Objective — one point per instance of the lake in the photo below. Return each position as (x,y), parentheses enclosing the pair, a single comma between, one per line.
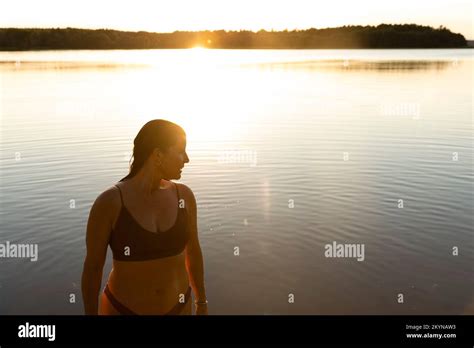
(290,152)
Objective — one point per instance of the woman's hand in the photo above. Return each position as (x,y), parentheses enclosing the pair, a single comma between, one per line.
(201,309)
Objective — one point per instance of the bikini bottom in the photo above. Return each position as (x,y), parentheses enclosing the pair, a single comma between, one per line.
(176,310)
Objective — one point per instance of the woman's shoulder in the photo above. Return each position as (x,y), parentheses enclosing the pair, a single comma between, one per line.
(186,193)
(109,200)
(186,190)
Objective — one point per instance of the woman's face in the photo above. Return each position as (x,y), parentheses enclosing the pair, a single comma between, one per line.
(174,159)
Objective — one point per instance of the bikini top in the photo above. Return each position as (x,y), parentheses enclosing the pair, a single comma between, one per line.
(129,241)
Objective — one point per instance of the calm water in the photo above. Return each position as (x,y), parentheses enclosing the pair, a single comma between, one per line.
(290,151)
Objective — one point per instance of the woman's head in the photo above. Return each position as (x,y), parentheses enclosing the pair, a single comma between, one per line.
(161,145)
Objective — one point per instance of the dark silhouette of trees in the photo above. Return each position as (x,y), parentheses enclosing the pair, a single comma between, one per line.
(381,36)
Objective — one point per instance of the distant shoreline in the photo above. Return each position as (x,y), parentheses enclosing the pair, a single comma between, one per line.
(383,36)
(216,49)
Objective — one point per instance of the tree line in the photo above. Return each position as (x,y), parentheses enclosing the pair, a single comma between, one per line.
(381,36)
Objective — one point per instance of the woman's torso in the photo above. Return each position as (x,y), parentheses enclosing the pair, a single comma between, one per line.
(149,272)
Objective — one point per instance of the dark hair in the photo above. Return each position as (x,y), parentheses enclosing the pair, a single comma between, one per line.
(154,134)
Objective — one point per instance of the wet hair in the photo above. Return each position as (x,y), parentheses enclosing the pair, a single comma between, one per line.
(161,134)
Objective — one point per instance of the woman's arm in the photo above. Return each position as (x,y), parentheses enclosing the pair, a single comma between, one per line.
(99,227)
(194,259)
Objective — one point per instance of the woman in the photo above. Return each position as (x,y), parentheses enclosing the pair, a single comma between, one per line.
(150,224)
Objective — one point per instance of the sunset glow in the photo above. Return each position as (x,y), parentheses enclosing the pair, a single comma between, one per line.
(160,16)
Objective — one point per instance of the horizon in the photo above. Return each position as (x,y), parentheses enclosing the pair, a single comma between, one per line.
(226,30)
(210,15)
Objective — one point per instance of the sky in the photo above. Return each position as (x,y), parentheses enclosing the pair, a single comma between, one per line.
(171,15)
